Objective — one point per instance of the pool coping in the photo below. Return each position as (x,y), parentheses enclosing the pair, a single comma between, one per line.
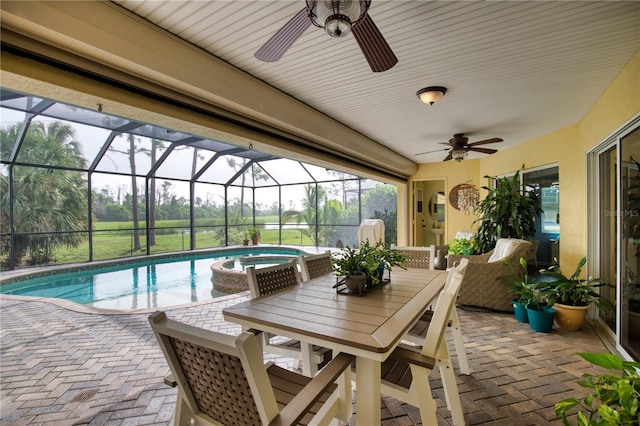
(83,309)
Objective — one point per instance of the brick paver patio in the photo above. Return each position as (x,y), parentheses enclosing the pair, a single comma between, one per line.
(64,367)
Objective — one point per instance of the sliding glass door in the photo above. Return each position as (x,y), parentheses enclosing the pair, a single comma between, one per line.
(630,242)
(614,233)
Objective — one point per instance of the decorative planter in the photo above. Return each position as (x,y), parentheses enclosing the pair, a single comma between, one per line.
(355,283)
(520,311)
(379,275)
(541,321)
(570,317)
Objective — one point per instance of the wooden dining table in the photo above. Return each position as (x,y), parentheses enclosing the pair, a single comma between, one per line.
(368,326)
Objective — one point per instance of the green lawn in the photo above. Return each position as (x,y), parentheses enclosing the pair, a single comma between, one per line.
(115,239)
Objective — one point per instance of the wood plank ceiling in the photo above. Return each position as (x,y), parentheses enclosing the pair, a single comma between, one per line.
(513,69)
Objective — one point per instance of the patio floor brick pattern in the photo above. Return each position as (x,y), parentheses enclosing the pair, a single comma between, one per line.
(62,367)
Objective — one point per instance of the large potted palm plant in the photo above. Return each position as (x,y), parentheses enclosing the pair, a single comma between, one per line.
(506,212)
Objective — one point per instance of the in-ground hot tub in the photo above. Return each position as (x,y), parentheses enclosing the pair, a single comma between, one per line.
(229,275)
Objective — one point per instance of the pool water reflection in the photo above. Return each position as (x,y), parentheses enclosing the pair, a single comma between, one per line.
(134,286)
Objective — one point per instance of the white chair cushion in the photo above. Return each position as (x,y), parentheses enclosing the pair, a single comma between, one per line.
(502,250)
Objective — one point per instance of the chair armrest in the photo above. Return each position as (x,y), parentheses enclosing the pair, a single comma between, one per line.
(454,259)
(413,356)
(309,395)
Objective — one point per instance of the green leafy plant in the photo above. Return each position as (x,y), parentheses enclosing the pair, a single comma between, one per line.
(348,262)
(463,246)
(575,291)
(506,212)
(530,293)
(368,259)
(614,400)
(254,233)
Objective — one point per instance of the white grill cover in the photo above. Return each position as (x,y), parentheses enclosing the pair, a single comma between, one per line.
(372,230)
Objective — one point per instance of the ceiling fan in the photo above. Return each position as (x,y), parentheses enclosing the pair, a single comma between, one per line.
(338,18)
(460,147)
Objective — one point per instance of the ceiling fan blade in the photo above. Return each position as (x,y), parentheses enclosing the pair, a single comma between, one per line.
(282,40)
(486,141)
(374,47)
(429,152)
(448,157)
(484,150)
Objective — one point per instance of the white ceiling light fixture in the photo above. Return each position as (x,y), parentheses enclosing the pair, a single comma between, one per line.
(337,17)
(432,94)
(459,154)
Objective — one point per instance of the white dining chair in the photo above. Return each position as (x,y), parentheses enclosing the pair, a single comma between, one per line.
(222,380)
(418,332)
(315,265)
(273,279)
(405,373)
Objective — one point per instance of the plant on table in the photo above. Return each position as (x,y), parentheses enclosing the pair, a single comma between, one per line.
(368,260)
(614,397)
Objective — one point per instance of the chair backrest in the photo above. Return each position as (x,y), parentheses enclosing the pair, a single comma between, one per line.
(272,279)
(315,265)
(442,312)
(418,257)
(222,377)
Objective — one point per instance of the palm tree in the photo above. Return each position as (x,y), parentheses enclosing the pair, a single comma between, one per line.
(326,211)
(50,201)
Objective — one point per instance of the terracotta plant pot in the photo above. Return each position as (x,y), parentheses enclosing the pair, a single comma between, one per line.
(570,317)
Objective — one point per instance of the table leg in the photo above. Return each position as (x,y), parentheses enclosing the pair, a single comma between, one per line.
(367,392)
(309,367)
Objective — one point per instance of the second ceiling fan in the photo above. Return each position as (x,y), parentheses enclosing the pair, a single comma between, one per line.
(338,18)
(460,147)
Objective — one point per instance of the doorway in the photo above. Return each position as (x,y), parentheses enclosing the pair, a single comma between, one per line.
(545,183)
(429,212)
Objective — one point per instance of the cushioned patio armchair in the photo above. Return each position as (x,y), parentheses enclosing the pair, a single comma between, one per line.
(483,285)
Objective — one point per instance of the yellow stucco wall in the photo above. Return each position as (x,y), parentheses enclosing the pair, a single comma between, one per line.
(567,147)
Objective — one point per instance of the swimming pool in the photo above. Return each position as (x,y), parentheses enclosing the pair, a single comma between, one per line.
(161,282)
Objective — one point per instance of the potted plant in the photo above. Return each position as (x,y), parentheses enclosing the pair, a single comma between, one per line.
(464,246)
(349,264)
(533,303)
(366,264)
(506,212)
(245,241)
(540,309)
(573,296)
(254,234)
(614,397)
(523,288)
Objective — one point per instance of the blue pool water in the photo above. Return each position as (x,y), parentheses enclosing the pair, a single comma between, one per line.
(148,284)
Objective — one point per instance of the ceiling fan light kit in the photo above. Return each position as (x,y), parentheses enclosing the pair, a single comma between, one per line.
(459,154)
(338,18)
(432,94)
(460,147)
